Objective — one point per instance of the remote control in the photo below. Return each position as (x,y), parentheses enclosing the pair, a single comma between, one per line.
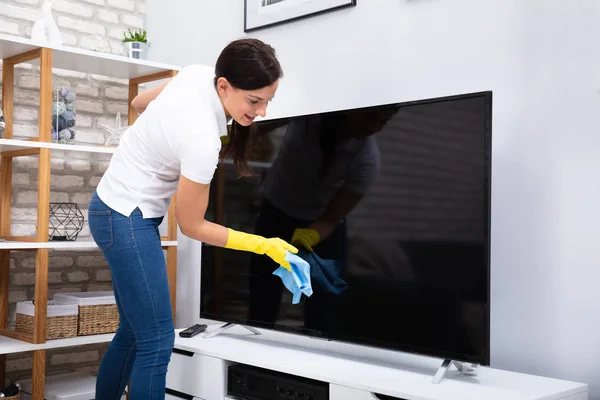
(192,330)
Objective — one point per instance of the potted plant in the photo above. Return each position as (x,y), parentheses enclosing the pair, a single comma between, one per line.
(135,43)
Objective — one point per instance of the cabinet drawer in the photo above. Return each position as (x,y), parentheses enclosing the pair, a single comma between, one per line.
(337,392)
(196,375)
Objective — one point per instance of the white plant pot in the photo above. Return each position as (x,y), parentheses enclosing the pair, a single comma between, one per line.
(136,50)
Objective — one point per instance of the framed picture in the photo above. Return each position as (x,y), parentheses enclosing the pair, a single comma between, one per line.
(259,14)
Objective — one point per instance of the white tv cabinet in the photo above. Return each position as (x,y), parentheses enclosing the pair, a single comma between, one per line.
(198,370)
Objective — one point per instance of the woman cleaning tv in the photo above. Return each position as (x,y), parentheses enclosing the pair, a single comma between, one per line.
(173,148)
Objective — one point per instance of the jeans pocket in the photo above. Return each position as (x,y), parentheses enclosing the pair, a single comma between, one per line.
(101,228)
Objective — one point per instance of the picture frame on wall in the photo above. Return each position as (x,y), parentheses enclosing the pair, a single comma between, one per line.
(260,14)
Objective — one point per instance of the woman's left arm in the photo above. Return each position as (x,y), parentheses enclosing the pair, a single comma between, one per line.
(141,101)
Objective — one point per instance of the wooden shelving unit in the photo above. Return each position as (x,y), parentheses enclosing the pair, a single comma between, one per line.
(17,50)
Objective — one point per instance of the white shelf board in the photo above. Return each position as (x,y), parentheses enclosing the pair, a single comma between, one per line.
(81,60)
(12,245)
(15,144)
(9,346)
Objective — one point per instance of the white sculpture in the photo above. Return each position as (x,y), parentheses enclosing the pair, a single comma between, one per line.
(45,29)
(116,132)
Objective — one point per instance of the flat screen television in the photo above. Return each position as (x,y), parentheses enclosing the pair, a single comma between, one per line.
(404,259)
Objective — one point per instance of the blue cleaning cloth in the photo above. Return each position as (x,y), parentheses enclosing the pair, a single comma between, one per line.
(324,273)
(307,267)
(297,281)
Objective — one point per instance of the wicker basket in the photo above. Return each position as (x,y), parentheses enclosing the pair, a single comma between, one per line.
(61,319)
(12,388)
(98,312)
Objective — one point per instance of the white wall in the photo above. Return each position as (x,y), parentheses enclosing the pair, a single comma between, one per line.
(542,60)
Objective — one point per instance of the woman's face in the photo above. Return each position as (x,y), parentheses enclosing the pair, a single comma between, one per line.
(244,105)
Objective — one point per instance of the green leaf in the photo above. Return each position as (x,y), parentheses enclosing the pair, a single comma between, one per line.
(135,36)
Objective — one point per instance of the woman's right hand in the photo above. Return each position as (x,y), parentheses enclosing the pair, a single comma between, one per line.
(275,248)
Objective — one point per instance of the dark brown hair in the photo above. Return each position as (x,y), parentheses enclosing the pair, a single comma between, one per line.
(248,64)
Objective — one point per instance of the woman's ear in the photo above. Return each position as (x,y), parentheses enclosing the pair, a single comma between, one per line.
(222,86)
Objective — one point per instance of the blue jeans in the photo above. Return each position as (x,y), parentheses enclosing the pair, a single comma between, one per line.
(141,349)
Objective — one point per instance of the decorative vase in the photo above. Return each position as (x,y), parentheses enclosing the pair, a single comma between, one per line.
(45,29)
(137,50)
(63,115)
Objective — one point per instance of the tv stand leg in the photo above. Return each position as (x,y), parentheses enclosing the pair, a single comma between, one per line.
(229,325)
(253,330)
(464,368)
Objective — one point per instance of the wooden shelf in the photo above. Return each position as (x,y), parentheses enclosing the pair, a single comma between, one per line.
(13,51)
(87,61)
(9,346)
(16,145)
(13,245)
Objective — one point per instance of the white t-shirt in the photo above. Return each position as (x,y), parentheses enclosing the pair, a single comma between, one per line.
(178,133)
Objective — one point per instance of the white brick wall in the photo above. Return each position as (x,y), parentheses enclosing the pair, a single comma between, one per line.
(84,24)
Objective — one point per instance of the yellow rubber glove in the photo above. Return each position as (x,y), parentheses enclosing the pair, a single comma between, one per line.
(307,238)
(272,247)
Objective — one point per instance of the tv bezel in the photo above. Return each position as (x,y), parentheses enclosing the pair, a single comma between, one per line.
(484,359)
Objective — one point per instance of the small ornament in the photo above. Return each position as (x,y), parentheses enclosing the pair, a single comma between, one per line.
(66,221)
(116,132)
(45,29)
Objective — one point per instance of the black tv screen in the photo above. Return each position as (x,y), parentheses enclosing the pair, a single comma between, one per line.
(404,261)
